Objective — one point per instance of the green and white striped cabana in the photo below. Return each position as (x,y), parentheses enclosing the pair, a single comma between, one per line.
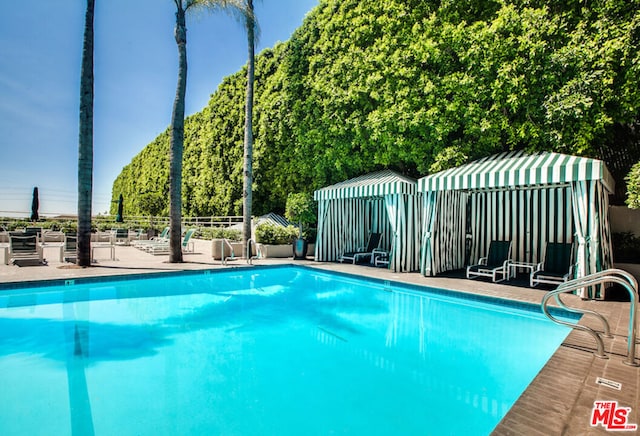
(382,202)
(530,199)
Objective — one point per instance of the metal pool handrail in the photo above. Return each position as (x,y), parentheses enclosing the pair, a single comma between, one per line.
(249,256)
(224,258)
(608,276)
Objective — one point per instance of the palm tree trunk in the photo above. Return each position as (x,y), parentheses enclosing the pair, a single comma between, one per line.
(85,146)
(177,141)
(247,192)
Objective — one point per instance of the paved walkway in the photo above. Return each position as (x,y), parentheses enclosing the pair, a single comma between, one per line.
(560,399)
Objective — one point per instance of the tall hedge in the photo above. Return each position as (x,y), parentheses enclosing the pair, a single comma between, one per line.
(413,85)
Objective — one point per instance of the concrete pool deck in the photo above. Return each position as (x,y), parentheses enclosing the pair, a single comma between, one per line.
(560,399)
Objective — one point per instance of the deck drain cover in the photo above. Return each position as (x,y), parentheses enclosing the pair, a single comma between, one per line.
(609,383)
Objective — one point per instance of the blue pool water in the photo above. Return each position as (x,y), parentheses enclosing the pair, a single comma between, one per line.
(264,351)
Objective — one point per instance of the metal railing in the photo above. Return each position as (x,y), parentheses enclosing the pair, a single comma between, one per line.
(608,276)
(250,257)
(131,221)
(224,258)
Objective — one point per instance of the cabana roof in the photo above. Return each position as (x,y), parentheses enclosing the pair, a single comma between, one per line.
(376,184)
(518,169)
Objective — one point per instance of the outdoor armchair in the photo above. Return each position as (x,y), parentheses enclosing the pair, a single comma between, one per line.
(120,236)
(24,247)
(70,247)
(495,264)
(557,266)
(53,238)
(363,253)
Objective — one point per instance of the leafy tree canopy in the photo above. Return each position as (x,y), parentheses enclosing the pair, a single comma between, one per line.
(412,85)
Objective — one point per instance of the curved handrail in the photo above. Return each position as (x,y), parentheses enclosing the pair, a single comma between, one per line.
(249,256)
(600,345)
(607,276)
(605,324)
(630,278)
(224,258)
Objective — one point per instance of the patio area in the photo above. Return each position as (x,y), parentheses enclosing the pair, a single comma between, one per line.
(558,401)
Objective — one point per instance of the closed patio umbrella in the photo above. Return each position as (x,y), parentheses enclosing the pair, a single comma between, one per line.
(35,204)
(119,218)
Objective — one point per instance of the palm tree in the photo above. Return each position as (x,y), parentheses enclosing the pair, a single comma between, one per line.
(85,146)
(247,193)
(177,120)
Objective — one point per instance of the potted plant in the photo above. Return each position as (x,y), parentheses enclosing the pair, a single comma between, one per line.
(275,240)
(300,209)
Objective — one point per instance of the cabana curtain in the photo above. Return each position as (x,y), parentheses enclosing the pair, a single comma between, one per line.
(383,202)
(528,199)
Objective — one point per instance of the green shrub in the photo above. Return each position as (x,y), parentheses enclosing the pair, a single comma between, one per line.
(272,234)
(633,187)
(209,233)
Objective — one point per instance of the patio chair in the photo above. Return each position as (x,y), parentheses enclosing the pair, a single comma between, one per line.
(103,240)
(33,231)
(143,244)
(53,238)
(495,264)
(70,247)
(120,236)
(557,266)
(134,235)
(24,247)
(363,253)
(164,248)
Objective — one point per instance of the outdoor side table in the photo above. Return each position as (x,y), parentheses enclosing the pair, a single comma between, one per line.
(513,267)
(60,248)
(109,246)
(380,257)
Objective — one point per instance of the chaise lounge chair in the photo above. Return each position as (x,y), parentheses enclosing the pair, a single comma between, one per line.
(557,266)
(164,248)
(143,244)
(24,247)
(363,252)
(496,263)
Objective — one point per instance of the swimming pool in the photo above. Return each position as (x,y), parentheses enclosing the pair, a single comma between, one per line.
(262,351)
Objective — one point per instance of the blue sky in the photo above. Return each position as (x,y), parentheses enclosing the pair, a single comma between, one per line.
(135,80)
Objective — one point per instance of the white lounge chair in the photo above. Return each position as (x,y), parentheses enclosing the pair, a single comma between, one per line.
(495,264)
(164,247)
(557,266)
(363,253)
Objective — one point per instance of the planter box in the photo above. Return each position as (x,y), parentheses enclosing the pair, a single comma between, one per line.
(267,250)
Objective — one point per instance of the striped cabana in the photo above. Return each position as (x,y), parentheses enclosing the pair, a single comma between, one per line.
(530,199)
(382,202)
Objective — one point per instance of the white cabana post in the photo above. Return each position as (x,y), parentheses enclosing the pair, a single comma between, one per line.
(383,202)
(530,199)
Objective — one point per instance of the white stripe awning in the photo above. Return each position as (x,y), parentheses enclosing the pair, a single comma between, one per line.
(518,169)
(377,184)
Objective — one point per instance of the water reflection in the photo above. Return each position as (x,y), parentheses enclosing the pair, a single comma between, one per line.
(77,334)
